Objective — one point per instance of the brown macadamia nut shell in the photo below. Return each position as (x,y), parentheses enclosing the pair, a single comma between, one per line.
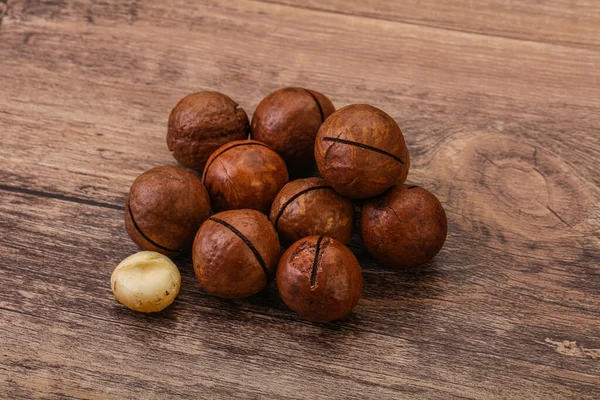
(244,174)
(310,206)
(360,151)
(202,122)
(235,253)
(288,121)
(165,208)
(319,278)
(405,170)
(404,227)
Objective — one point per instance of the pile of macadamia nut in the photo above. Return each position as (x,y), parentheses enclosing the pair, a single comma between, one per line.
(361,156)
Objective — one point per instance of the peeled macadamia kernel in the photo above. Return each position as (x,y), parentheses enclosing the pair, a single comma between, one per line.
(146,281)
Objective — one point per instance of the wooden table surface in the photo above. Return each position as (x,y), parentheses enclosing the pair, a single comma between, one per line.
(499,102)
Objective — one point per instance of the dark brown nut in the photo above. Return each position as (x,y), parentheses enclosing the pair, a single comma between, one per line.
(235,253)
(404,227)
(164,210)
(319,278)
(202,122)
(361,152)
(310,206)
(288,121)
(244,174)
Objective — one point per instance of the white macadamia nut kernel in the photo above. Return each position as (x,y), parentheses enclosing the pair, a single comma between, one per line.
(146,281)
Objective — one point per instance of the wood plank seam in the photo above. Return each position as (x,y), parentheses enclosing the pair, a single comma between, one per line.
(291,319)
(503,131)
(62,197)
(57,196)
(350,367)
(420,24)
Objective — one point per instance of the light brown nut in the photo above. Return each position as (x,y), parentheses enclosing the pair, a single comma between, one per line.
(319,278)
(288,121)
(404,227)
(361,152)
(235,253)
(310,206)
(200,123)
(244,174)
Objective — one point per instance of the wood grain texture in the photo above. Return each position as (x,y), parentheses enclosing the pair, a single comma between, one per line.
(503,131)
(567,22)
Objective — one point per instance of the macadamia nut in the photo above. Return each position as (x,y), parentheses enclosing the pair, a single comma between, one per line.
(235,253)
(288,121)
(146,281)
(200,123)
(319,278)
(361,152)
(310,206)
(164,210)
(404,227)
(244,174)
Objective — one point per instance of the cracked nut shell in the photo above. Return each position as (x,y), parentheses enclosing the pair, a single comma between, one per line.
(288,121)
(202,122)
(310,206)
(164,210)
(244,174)
(235,253)
(319,278)
(404,227)
(361,152)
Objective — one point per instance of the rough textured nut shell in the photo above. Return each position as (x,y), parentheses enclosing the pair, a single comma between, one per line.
(310,206)
(146,281)
(244,174)
(319,278)
(404,227)
(165,208)
(202,122)
(235,252)
(361,152)
(288,121)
